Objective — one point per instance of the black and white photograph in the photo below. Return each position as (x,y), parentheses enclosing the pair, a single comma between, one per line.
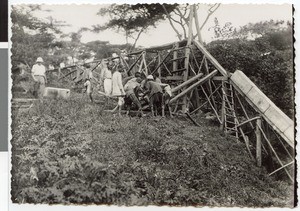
(161,104)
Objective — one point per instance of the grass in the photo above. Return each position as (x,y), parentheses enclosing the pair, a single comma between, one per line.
(71,151)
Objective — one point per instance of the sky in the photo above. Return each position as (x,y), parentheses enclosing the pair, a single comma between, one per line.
(85,15)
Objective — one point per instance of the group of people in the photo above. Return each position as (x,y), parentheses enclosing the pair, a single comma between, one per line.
(132,91)
(137,90)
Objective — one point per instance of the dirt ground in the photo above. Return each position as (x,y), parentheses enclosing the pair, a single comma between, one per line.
(71,151)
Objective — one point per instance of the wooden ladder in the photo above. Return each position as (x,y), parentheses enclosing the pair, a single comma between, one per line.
(230,119)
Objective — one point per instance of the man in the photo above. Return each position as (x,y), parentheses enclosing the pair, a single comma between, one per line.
(87,77)
(167,95)
(117,89)
(38,73)
(155,95)
(132,87)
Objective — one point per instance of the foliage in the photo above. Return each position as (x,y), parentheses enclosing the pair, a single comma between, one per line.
(31,37)
(104,49)
(267,60)
(69,151)
(133,18)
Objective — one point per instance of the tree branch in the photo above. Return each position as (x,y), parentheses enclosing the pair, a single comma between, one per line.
(211,11)
(172,25)
(183,16)
(136,39)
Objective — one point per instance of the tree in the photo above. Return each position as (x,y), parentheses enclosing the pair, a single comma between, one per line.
(180,17)
(133,19)
(31,37)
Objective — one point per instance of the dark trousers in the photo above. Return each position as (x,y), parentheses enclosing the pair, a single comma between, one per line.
(157,102)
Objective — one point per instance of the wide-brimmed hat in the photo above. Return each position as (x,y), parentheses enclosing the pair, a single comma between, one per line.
(39,59)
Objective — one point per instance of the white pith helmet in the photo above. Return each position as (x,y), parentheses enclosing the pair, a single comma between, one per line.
(39,59)
(150,77)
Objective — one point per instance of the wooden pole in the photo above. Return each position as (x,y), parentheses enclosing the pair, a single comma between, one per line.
(161,63)
(141,66)
(209,82)
(175,56)
(134,63)
(197,25)
(223,112)
(286,165)
(212,106)
(198,83)
(191,118)
(258,142)
(159,68)
(211,58)
(187,54)
(244,110)
(274,152)
(145,63)
(180,86)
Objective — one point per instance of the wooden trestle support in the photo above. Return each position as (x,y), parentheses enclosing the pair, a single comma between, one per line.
(198,81)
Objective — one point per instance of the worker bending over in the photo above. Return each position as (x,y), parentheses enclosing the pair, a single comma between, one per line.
(132,88)
(155,93)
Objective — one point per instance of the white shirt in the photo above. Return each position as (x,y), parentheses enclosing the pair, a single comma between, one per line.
(105,73)
(38,69)
(117,86)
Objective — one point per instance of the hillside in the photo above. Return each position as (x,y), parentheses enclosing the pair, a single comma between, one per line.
(71,151)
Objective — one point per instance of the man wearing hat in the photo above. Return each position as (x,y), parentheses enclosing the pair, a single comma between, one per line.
(155,93)
(117,89)
(38,73)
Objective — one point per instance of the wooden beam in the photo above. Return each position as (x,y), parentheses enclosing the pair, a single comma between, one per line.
(197,25)
(175,59)
(187,53)
(211,58)
(162,62)
(214,109)
(178,71)
(286,165)
(248,121)
(173,78)
(191,118)
(244,110)
(274,152)
(197,109)
(180,86)
(159,68)
(69,73)
(258,142)
(167,69)
(134,63)
(198,83)
(145,63)
(219,78)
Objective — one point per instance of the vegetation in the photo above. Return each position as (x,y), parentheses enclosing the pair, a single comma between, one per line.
(267,60)
(73,152)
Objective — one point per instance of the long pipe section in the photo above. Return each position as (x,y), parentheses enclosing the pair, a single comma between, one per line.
(180,86)
(209,76)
